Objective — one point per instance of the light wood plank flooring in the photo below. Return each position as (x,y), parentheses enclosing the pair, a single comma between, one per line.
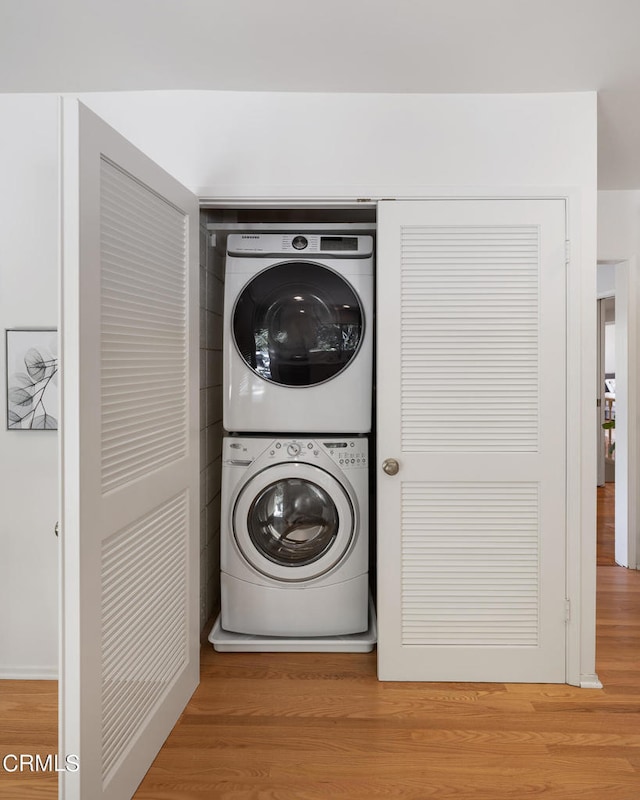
(29,713)
(606,525)
(319,727)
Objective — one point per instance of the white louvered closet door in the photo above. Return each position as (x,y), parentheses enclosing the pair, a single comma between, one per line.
(471,334)
(130,632)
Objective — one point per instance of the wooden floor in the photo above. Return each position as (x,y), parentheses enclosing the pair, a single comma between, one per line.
(29,714)
(321,727)
(606,525)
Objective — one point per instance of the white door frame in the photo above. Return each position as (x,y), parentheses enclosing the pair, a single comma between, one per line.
(627,525)
(627,483)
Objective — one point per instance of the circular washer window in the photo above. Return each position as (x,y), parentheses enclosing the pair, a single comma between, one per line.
(298,324)
(293,522)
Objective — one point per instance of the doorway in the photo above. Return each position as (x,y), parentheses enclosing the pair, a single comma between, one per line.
(606,418)
(617,395)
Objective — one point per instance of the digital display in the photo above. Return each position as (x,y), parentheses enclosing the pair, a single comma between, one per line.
(335,444)
(348,243)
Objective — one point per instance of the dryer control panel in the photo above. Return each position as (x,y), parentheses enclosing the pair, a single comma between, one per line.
(299,244)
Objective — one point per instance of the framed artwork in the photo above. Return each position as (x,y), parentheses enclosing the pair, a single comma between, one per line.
(32,379)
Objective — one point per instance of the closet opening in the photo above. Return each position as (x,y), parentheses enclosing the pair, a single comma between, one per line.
(217,223)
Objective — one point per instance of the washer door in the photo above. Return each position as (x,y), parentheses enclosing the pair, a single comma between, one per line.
(298,324)
(293,522)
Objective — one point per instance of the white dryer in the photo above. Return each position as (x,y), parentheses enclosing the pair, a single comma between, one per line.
(294,536)
(298,331)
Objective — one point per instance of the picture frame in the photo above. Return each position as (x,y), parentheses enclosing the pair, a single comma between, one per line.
(32,367)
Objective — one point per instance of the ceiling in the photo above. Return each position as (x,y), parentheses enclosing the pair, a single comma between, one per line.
(340,46)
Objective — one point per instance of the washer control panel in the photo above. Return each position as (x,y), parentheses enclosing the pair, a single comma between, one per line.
(293,449)
(347,453)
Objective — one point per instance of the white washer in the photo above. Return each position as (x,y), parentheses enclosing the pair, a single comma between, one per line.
(298,331)
(294,536)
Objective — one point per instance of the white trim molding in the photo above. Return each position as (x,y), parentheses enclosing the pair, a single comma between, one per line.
(29,674)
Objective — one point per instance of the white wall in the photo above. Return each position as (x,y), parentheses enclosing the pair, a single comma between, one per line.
(618,225)
(235,144)
(28,459)
(610,348)
(606,280)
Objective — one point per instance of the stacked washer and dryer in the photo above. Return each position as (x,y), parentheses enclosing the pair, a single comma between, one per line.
(298,341)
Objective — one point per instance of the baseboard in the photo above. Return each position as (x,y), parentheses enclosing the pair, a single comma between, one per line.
(28,674)
(590,682)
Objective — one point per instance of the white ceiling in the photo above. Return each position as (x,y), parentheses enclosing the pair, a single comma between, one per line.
(340,46)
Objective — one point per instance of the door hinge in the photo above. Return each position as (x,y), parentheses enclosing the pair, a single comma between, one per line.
(567,251)
(567,610)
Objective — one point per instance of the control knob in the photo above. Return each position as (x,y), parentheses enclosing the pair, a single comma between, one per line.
(299,242)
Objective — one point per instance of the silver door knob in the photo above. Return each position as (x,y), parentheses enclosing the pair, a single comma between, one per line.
(390,466)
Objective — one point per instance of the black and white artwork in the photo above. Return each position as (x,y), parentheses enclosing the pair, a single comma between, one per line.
(32,380)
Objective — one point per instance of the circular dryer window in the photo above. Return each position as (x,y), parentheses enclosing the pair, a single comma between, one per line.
(298,324)
(293,522)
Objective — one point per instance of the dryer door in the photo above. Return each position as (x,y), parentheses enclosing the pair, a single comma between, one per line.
(298,324)
(293,522)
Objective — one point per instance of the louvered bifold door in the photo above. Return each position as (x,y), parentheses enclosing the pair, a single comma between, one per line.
(471,346)
(129,655)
